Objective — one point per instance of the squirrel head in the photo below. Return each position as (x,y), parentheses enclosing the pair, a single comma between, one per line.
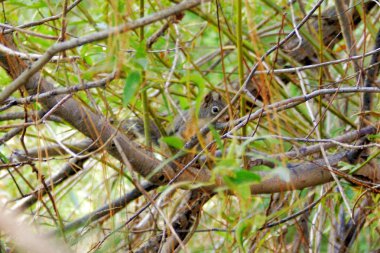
(211,106)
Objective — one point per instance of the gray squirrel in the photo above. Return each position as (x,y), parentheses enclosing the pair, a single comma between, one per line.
(186,124)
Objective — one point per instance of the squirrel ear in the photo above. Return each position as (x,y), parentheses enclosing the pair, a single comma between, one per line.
(208,97)
(212,96)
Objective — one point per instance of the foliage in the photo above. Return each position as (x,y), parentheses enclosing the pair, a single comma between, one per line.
(198,52)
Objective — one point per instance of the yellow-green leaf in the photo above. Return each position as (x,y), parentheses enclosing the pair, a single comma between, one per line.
(131,84)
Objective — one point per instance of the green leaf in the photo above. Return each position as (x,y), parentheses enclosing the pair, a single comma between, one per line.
(196,79)
(242,228)
(174,141)
(361,165)
(372,137)
(246,227)
(216,136)
(260,168)
(226,166)
(140,58)
(337,131)
(242,177)
(3,158)
(131,84)
(4,77)
(294,90)
(345,166)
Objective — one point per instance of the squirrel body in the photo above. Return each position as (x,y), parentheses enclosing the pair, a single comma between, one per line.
(187,123)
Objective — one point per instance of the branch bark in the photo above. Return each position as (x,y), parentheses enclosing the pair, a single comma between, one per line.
(102,132)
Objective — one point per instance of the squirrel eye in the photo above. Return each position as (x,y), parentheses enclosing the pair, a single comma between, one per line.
(215,109)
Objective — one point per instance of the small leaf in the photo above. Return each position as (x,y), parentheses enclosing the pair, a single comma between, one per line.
(216,136)
(3,158)
(226,166)
(174,141)
(372,137)
(195,79)
(345,166)
(242,177)
(294,90)
(131,84)
(140,58)
(261,167)
(242,228)
(337,131)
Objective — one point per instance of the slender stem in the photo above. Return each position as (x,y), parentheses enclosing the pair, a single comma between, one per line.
(144,95)
(239,46)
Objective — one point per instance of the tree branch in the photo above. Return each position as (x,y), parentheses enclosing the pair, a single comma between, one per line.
(26,74)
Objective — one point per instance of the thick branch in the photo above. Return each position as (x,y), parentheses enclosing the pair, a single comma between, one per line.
(303,175)
(98,128)
(93,125)
(305,54)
